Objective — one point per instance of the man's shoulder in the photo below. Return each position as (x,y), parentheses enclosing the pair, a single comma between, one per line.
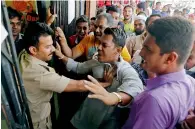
(36,68)
(87,40)
(125,68)
(131,39)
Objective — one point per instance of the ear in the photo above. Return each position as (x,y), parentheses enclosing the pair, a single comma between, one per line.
(33,50)
(172,57)
(119,49)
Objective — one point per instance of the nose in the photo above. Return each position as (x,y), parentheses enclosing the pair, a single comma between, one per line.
(100,47)
(15,26)
(82,30)
(97,29)
(141,52)
(53,49)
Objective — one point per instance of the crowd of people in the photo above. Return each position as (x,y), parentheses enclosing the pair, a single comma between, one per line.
(140,61)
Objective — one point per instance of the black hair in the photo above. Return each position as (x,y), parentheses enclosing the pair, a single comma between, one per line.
(14,13)
(141,5)
(82,18)
(173,34)
(153,15)
(33,32)
(93,18)
(129,6)
(112,8)
(119,36)
(158,3)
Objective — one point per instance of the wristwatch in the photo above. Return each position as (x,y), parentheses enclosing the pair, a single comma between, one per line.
(119,97)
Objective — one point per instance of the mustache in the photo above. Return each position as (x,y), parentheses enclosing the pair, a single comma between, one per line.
(97,34)
(51,53)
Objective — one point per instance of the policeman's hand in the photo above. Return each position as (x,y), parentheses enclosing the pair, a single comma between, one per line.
(58,51)
(99,92)
(59,33)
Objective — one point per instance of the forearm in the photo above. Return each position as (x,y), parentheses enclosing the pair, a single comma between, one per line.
(75,86)
(126,99)
(65,48)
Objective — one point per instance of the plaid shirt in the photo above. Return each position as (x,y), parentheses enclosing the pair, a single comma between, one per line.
(141,72)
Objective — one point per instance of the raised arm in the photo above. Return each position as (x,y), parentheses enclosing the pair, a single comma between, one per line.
(63,43)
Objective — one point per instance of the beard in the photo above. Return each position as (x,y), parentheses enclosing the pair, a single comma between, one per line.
(139,32)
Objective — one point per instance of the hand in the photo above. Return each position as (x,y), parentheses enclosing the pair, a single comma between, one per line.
(51,19)
(60,33)
(58,51)
(99,92)
(109,73)
(95,56)
(189,121)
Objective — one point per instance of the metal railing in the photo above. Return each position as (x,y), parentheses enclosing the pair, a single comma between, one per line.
(14,102)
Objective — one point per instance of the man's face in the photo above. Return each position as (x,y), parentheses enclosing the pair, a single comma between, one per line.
(107,50)
(158,6)
(115,16)
(100,26)
(191,60)
(92,26)
(16,26)
(139,26)
(45,48)
(127,13)
(82,29)
(153,60)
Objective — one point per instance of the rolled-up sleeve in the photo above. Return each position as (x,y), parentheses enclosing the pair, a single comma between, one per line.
(81,68)
(131,83)
(53,82)
(71,65)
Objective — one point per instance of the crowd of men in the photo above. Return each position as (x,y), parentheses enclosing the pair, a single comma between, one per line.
(140,69)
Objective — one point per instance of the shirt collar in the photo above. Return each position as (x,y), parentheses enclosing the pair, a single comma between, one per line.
(166,78)
(19,37)
(143,35)
(77,39)
(119,65)
(192,69)
(34,60)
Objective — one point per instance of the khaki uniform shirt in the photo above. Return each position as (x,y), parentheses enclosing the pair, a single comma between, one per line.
(40,81)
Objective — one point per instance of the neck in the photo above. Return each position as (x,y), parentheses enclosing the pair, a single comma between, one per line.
(127,20)
(15,37)
(171,69)
(116,59)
